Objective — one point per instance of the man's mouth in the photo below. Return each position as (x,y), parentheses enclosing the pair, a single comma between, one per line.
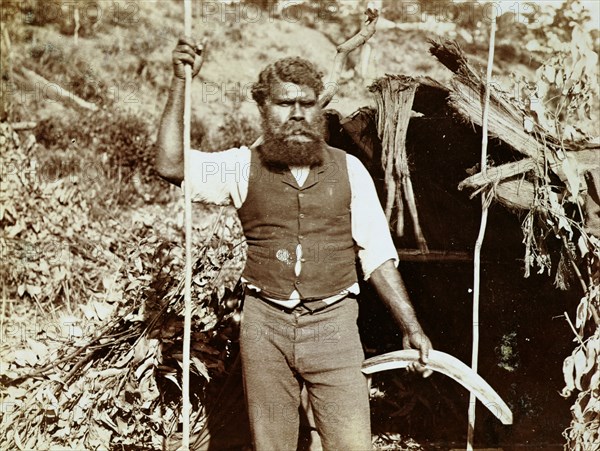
(299,137)
(299,133)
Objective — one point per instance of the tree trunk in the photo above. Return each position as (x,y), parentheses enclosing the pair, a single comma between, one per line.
(5,75)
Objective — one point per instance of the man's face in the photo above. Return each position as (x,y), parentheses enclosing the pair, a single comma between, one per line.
(293,126)
(292,110)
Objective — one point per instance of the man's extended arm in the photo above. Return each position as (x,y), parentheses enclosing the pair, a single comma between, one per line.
(378,257)
(169,156)
(389,285)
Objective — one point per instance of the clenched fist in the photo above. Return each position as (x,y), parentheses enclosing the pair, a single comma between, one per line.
(187,52)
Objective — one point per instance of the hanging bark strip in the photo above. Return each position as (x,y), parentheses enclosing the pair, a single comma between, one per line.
(394,97)
(485,202)
(187,294)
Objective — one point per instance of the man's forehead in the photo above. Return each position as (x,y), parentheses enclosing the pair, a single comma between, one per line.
(288,90)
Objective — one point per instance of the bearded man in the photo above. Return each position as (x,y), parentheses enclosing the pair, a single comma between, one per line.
(308,211)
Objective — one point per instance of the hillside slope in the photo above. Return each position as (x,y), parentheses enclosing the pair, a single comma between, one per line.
(127,65)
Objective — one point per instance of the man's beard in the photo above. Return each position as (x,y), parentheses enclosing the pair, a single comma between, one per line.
(279,152)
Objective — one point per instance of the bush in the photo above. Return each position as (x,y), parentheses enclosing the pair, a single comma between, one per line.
(235,131)
(262,4)
(123,271)
(118,147)
(62,15)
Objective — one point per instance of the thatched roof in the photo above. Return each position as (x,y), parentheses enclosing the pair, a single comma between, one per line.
(568,160)
(430,137)
(523,161)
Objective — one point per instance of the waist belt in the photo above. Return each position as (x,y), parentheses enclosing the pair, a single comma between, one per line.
(312,305)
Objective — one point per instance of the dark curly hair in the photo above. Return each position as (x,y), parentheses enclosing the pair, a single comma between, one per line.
(288,70)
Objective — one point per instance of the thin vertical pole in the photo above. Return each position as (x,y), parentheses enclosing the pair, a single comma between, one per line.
(480,237)
(187,293)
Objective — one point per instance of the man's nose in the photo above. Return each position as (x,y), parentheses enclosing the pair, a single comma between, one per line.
(297,112)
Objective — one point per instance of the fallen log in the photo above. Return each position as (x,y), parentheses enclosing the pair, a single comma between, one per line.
(53,91)
(20,126)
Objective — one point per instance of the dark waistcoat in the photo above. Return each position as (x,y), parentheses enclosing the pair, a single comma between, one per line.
(277,215)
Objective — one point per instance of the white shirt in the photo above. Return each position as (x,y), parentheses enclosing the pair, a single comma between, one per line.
(222,178)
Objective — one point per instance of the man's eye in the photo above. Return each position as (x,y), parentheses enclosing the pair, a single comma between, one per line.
(308,103)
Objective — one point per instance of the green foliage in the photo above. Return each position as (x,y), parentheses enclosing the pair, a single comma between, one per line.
(562,99)
(60,203)
(557,214)
(557,106)
(556,25)
(51,240)
(118,149)
(581,371)
(62,15)
(236,130)
(565,91)
(262,4)
(111,360)
(72,72)
(129,394)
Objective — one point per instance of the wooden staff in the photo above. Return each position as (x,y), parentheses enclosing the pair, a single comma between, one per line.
(187,293)
(485,201)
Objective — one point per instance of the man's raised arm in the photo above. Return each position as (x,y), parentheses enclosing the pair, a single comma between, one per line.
(169,156)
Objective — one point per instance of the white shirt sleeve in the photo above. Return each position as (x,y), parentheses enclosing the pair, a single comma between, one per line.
(220,177)
(370,229)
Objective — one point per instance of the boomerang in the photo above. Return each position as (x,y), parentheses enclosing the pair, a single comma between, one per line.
(451,367)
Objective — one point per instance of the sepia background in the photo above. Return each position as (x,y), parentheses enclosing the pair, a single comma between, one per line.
(92,242)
